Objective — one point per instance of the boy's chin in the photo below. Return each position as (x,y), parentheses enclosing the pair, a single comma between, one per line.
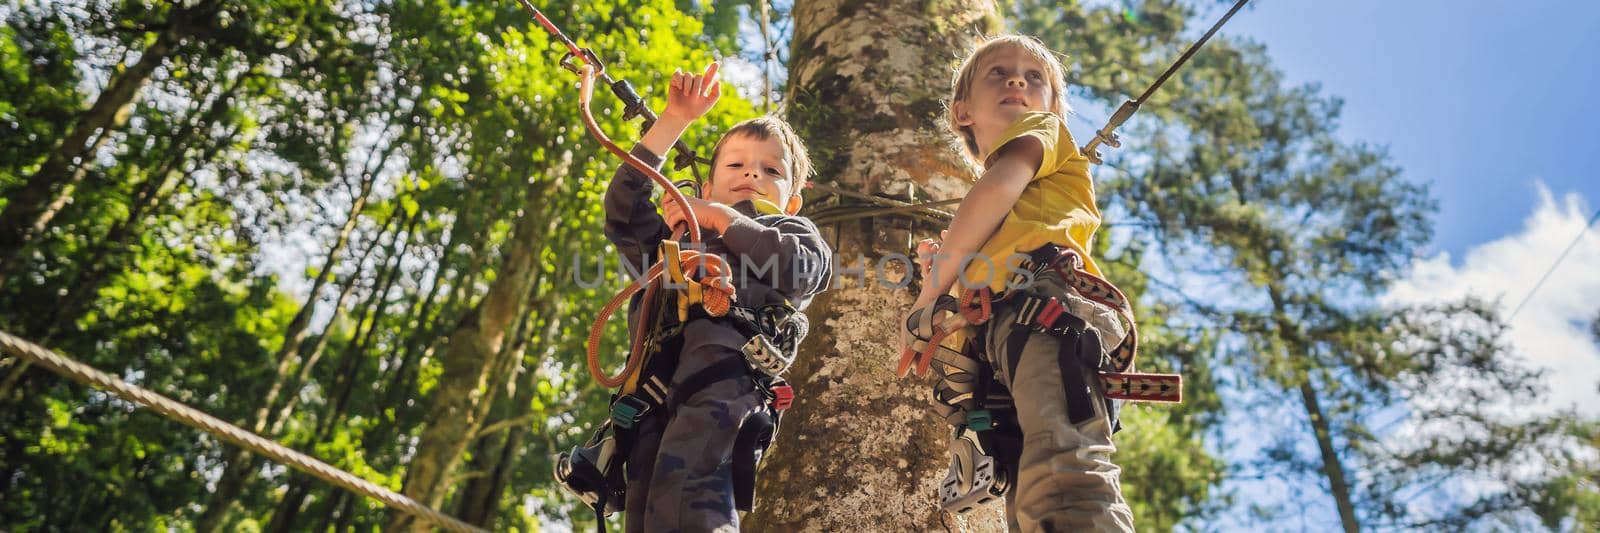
(1009,114)
(739,197)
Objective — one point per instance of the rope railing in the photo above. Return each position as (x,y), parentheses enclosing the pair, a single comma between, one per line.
(189,416)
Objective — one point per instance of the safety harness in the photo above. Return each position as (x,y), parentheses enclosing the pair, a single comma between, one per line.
(702,289)
(595,471)
(986,442)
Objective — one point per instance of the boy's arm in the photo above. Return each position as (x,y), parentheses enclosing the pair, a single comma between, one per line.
(981,212)
(632,223)
(790,255)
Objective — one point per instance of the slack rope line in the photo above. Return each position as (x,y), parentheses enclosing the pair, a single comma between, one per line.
(189,416)
(1108,134)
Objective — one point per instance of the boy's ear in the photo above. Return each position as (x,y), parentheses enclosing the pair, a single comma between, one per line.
(963,115)
(795,202)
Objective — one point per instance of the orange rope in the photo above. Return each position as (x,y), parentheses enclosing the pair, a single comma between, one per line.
(720,289)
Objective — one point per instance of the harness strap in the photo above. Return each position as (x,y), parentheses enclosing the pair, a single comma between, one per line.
(755,434)
(928,333)
(1047,314)
(958,390)
(726,369)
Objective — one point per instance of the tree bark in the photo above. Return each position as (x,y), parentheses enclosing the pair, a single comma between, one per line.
(346,378)
(861,450)
(1331,465)
(294,337)
(469,360)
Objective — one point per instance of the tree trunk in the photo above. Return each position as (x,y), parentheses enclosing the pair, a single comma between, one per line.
(861,450)
(28,208)
(470,356)
(232,480)
(147,200)
(477,502)
(346,378)
(1331,465)
(85,287)
(1292,334)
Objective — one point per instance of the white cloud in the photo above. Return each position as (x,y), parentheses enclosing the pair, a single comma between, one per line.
(1552,329)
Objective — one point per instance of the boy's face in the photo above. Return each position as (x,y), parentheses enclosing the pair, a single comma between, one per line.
(749,168)
(1005,85)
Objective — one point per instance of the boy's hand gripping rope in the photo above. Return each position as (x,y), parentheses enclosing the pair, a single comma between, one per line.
(713,291)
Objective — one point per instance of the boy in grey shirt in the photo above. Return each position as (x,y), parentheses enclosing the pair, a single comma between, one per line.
(678,470)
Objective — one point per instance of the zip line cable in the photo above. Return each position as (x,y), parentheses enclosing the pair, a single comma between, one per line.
(1553,266)
(1108,134)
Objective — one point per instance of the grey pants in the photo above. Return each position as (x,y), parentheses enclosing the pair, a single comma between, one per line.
(1066,480)
(680,475)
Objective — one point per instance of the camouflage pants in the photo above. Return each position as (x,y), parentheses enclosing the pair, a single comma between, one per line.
(1066,480)
(679,473)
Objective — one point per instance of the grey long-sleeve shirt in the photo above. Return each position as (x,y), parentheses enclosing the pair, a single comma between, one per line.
(773,258)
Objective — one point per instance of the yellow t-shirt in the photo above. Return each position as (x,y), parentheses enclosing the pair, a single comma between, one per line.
(1056,207)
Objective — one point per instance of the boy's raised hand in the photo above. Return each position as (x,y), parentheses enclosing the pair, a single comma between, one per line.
(690,95)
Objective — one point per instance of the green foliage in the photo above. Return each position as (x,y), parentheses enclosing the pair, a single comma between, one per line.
(185,257)
(38,75)
(174,266)
(1261,227)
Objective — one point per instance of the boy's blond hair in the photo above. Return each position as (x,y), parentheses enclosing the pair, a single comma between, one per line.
(767,127)
(961,86)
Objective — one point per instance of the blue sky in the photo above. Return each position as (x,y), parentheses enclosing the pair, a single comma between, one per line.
(1478,98)
(1491,103)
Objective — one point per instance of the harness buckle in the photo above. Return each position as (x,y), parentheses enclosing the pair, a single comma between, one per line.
(765,356)
(980,420)
(974,478)
(1048,315)
(627,410)
(782,396)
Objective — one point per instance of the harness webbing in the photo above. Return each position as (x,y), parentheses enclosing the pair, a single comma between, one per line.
(1042,314)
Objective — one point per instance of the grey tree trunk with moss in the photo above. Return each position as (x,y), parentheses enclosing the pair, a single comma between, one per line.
(861,450)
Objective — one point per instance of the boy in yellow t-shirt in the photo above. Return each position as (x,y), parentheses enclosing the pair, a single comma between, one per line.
(1029,213)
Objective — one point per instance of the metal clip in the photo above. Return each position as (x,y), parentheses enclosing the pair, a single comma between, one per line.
(567,63)
(627,410)
(974,477)
(765,356)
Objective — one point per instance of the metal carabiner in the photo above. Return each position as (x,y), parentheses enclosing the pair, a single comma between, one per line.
(692,185)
